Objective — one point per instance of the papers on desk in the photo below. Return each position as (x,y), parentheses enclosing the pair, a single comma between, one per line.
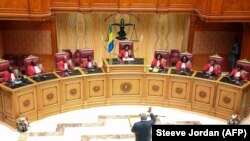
(128,59)
(153,69)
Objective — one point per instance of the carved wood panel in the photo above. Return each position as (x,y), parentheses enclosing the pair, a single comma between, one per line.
(7,103)
(155,87)
(179,88)
(236,8)
(15,6)
(226,99)
(203,92)
(154,31)
(96,88)
(126,86)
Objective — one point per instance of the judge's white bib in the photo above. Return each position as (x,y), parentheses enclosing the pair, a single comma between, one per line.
(65,66)
(237,74)
(90,64)
(211,69)
(12,77)
(183,65)
(158,63)
(37,69)
(126,54)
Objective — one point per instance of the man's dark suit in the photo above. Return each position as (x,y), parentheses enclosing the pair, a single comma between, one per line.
(142,129)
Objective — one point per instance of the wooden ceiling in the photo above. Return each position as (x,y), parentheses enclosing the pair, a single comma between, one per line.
(207,10)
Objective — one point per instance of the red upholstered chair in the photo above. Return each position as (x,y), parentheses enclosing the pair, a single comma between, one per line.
(174,56)
(189,55)
(13,60)
(123,43)
(4,64)
(27,61)
(165,54)
(218,59)
(245,63)
(70,53)
(59,57)
(84,53)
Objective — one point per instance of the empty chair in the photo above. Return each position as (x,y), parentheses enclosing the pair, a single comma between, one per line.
(174,56)
(4,65)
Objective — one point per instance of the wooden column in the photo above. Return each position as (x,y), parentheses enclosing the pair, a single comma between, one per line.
(245,49)
(193,20)
(53,35)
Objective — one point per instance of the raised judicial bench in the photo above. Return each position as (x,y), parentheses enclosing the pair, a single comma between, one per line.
(122,85)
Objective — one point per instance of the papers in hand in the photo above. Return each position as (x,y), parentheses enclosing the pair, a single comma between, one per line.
(128,59)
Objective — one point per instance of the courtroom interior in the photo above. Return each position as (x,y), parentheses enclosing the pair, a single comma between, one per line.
(75,69)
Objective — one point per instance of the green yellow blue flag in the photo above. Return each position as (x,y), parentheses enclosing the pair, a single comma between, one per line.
(111,39)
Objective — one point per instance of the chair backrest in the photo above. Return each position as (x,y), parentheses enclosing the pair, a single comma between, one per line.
(122,45)
(245,63)
(174,53)
(165,54)
(27,61)
(59,57)
(189,55)
(217,58)
(69,51)
(4,65)
(84,53)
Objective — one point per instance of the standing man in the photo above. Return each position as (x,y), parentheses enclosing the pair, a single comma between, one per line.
(234,54)
(142,129)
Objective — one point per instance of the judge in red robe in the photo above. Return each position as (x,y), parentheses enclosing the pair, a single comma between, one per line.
(183,64)
(159,62)
(212,69)
(89,63)
(11,75)
(239,73)
(65,64)
(126,53)
(34,69)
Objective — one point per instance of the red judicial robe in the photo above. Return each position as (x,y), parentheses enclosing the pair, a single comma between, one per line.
(85,64)
(187,64)
(216,68)
(60,65)
(122,54)
(243,73)
(31,69)
(154,63)
(7,75)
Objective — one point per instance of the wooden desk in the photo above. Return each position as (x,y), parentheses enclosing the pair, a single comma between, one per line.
(114,66)
(84,90)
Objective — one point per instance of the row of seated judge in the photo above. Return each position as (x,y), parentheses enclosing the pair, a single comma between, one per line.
(16,61)
(65,65)
(10,74)
(79,55)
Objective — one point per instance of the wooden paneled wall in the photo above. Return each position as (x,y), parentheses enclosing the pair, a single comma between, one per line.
(154,31)
(1,44)
(29,38)
(245,52)
(214,38)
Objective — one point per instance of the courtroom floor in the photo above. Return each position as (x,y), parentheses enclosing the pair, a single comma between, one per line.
(109,123)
